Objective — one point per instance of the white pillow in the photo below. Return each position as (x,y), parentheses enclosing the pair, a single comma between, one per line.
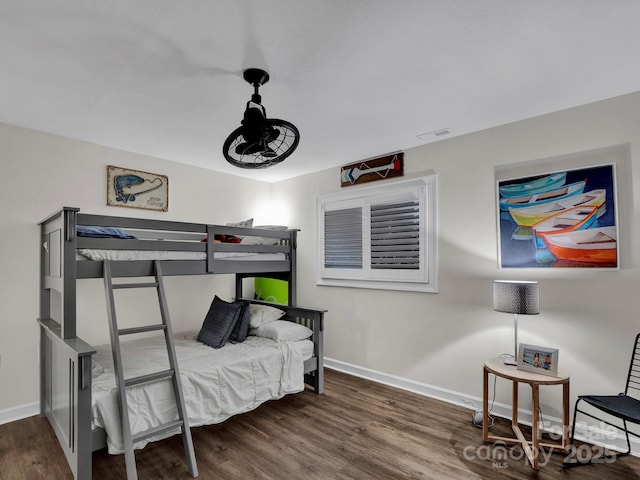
(282,331)
(263,314)
(245,223)
(264,240)
(272,227)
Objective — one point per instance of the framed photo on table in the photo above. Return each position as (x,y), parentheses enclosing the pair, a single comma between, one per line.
(534,359)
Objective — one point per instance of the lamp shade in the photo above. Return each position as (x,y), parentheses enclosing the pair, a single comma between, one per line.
(511,296)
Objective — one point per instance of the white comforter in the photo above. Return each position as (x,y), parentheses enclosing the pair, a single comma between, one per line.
(217,383)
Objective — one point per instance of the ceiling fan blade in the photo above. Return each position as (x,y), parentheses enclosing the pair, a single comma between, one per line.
(248,148)
(268,153)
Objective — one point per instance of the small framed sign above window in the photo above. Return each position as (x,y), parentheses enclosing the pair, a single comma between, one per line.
(373,169)
(380,237)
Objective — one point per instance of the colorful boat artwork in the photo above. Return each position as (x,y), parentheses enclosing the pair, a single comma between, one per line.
(576,218)
(538,185)
(584,202)
(529,216)
(593,246)
(541,198)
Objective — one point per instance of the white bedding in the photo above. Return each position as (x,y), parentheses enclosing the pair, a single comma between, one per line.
(217,383)
(97,254)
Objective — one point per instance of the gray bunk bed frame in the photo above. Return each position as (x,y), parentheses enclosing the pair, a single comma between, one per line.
(66,360)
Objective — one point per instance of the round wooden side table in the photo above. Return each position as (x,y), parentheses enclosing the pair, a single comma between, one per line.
(531,447)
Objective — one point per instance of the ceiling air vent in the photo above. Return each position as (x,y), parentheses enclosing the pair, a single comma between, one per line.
(434,134)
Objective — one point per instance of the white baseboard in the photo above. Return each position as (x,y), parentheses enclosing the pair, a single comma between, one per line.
(18,413)
(615,441)
(449,396)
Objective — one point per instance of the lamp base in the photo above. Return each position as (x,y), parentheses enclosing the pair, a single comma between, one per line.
(510,360)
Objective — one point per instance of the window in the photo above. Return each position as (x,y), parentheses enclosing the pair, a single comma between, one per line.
(379,236)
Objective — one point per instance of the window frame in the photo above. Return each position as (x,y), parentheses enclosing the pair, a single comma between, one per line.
(423,279)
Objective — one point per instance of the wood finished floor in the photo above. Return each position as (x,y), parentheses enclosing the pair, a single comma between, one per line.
(356,430)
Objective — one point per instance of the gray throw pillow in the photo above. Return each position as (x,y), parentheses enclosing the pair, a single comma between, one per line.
(219,322)
(241,328)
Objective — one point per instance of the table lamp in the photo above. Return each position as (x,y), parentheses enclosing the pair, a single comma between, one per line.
(517,297)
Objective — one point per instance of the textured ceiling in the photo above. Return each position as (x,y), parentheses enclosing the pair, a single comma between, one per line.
(359,78)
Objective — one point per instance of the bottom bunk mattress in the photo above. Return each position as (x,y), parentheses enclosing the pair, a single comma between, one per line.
(216,383)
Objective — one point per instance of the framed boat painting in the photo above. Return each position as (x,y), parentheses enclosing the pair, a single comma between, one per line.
(559,219)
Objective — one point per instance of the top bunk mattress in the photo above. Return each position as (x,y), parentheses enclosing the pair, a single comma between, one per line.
(113,243)
(131,255)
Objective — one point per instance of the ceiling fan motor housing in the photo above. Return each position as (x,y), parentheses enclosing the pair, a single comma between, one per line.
(255,76)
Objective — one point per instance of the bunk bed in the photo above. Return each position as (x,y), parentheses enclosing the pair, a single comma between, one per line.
(67,363)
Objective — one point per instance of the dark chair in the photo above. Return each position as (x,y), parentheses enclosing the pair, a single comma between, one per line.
(624,406)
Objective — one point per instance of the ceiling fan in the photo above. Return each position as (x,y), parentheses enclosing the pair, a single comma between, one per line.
(260,141)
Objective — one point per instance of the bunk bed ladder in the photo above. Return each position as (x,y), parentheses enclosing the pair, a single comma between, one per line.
(122,383)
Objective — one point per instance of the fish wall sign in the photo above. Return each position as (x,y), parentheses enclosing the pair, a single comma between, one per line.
(137,189)
(373,169)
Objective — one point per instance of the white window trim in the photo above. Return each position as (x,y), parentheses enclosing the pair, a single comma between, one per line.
(427,280)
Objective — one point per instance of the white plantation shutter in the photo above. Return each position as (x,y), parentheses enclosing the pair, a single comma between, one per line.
(379,236)
(343,238)
(395,235)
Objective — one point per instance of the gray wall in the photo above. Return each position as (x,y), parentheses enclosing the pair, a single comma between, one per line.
(40,174)
(442,339)
(439,339)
